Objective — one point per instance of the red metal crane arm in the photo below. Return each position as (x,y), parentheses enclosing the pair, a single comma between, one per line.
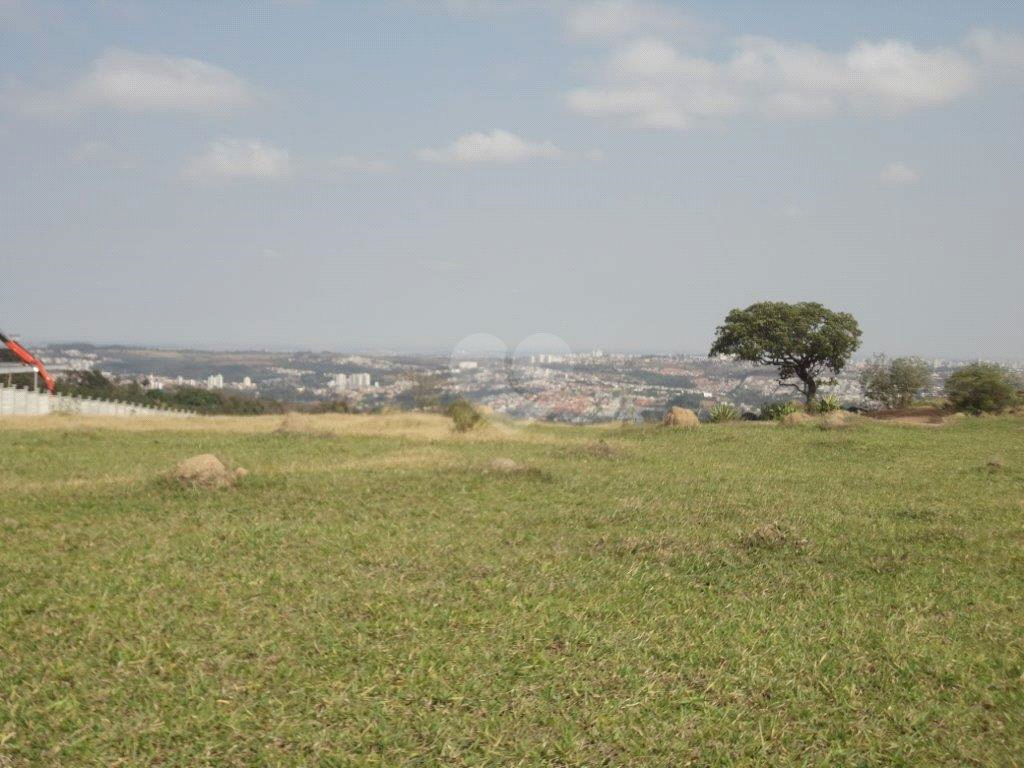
(29,359)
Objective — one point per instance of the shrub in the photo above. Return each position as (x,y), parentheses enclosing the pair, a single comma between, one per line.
(827,404)
(723,412)
(775,411)
(331,406)
(464,415)
(981,388)
(894,383)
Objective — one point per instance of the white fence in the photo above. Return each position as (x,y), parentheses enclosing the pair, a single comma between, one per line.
(24,402)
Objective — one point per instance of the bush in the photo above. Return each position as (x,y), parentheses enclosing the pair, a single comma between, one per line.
(894,383)
(331,406)
(723,412)
(776,411)
(464,415)
(982,388)
(827,404)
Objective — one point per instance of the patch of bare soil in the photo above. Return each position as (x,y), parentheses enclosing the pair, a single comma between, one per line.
(925,417)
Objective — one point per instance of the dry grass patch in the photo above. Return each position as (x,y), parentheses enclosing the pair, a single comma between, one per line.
(795,419)
(402,424)
(503,464)
(19,485)
(834,420)
(649,548)
(599,449)
(506,466)
(772,537)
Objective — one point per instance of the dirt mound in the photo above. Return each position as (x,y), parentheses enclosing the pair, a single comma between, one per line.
(795,419)
(681,417)
(506,466)
(206,471)
(503,464)
(834,420)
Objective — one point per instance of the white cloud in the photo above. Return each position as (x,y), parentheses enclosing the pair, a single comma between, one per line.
(361,164)
(136,82)
(613,19)
(649,82)
(899,172)
(998,51)
(494,147)
(227,159)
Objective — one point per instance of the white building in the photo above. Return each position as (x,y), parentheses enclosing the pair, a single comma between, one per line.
(359,381)
(341,381)
(215,381)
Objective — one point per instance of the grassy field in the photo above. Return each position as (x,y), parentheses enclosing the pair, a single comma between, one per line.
(374,593)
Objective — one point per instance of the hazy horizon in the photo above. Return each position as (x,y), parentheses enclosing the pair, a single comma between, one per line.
(384,351)
(617,174)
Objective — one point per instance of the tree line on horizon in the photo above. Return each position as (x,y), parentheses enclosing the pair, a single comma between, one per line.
(810,345)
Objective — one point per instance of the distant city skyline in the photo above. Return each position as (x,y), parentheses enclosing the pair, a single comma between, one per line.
(616,174)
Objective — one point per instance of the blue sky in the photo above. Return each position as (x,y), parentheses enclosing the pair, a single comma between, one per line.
(404,175)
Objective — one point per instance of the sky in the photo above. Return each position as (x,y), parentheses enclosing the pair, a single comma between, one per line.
(615,174)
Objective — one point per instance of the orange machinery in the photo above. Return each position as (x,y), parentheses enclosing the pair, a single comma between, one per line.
(29,359)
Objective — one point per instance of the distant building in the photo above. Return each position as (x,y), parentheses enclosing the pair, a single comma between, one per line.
(341,381)
(467,365)
(215,381)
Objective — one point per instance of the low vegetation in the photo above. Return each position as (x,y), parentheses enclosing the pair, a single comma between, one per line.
(982,388)
(775,411)
(826,404)
(387,591)
(95,384)
(723,412)
(464,416)
(894,383)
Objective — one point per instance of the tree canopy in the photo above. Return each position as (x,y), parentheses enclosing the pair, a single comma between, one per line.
(894,382)
(805,341)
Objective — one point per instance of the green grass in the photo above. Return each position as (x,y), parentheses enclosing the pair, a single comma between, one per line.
(729,595)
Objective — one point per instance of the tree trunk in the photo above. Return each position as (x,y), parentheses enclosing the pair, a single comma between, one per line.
(810,390)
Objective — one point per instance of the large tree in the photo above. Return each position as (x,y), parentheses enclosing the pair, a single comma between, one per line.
(805,341)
